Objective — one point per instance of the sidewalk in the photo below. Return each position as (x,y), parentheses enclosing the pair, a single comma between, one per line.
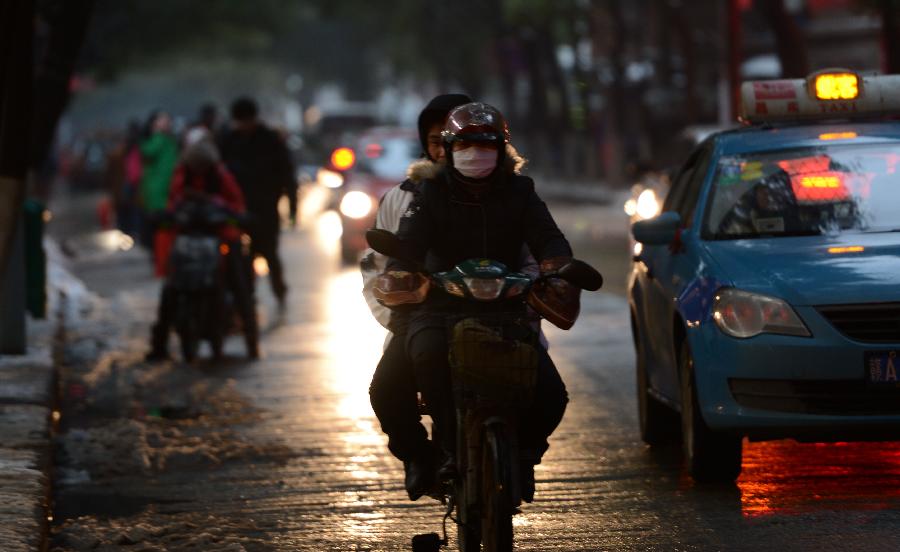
(27,397)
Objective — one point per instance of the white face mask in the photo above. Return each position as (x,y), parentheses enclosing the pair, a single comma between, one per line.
(475,162)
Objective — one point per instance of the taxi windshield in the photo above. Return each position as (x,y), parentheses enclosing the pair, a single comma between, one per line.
(808,191)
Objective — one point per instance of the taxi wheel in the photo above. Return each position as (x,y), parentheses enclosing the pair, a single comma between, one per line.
(710,456)
(658,423)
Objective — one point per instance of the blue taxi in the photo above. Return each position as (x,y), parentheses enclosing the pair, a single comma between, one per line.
(765,298)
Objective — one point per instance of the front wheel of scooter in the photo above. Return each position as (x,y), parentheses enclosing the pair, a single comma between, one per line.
(496,502)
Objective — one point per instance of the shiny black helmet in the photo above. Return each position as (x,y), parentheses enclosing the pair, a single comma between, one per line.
(476,122)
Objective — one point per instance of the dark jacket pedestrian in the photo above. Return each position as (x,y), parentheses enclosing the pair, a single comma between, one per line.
(259,159)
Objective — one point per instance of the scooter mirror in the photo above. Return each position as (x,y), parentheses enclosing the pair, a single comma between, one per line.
(582,275)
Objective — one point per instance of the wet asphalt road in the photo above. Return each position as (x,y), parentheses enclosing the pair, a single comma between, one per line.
(327,483)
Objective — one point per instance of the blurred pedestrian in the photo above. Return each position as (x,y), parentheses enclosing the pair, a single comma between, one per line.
(259,159)
(208,117)
(123,180)
(159,153)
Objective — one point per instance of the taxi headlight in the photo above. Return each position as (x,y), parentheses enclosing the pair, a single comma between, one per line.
(485,289)
(356,204)
(743,314)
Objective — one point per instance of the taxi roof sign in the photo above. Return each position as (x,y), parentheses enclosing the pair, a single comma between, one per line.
(828,94)
(830,85)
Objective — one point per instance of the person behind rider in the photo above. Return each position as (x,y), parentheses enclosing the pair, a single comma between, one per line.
(476,207)
(392,392)
(201,176)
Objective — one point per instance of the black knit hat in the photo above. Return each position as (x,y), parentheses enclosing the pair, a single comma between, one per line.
(435,112)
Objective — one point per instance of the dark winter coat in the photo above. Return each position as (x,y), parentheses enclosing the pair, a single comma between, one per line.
(261,163)
(447,223)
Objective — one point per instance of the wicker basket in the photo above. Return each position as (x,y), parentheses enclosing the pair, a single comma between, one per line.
(494,358)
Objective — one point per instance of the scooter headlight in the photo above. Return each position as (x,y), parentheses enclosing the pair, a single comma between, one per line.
(485,289)
(743,314)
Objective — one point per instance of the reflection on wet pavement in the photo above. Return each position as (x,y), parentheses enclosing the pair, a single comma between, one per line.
(785,477)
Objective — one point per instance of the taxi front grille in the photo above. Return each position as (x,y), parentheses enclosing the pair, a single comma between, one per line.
(833,397)
(870,323)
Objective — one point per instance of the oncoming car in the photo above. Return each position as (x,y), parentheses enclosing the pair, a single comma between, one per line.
(382,155)
(765,299)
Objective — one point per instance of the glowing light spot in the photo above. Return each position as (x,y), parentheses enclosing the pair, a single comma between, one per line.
(837,136)
(820,182)
(837,86)
(261,266)
(343,159)
(847,249)
(647,204)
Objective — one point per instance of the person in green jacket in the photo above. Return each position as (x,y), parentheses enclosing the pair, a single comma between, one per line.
(159,153)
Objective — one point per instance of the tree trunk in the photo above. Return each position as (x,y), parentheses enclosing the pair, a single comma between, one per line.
(890,36)
(680,22)
(789,39)
(612,146)
(68,23)
(16,65)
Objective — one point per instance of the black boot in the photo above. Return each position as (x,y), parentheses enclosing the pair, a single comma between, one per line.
(526,480)
(527,460)
(159,338)
(419,475)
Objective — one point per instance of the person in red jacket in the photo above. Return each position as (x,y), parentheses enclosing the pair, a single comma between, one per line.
(200,175)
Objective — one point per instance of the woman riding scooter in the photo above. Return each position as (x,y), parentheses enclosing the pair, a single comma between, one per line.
(200,176)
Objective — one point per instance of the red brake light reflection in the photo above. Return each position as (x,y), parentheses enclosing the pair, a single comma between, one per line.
(374,150)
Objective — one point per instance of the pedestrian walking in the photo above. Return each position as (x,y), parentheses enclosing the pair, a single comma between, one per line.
(159,154)
(259,159)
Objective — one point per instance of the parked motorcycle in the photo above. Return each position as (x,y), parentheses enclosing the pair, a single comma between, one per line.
(207,306)
(493,358)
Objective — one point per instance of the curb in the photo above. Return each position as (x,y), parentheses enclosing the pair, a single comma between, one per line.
(26,406)
(27,413)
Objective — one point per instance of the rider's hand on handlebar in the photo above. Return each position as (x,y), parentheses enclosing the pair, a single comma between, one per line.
(399,287)
(553,264)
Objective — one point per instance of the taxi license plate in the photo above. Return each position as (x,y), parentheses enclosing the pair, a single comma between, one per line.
(882,368)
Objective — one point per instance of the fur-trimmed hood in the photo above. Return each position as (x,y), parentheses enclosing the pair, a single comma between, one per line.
(425,169)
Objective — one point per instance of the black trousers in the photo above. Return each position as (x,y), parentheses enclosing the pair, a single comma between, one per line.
(265,244)
(393,397)
(427,348)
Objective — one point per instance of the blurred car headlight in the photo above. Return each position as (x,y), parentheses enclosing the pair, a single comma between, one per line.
(743,314)
(356,204)
(647,205)
(329,179)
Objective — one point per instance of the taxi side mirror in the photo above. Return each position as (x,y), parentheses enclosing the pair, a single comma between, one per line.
(659,230)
